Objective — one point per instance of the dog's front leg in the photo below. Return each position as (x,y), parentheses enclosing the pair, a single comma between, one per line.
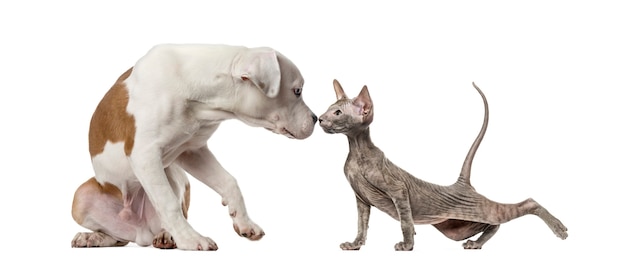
(148,168)
(363,222)
(202,165)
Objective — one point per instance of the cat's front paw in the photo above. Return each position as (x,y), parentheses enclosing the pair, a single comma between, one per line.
(402,246)
(351,245)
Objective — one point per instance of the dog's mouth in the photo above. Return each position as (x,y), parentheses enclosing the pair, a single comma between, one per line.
(283,131)
(288,134)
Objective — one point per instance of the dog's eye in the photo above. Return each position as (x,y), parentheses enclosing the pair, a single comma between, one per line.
(297,91)
(338,112)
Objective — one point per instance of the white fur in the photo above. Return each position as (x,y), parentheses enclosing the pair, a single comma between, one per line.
(178,95)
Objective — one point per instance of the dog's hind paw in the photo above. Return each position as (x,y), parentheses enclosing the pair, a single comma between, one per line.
(95,239)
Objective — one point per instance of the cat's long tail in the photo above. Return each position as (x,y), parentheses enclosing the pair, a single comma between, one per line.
(466,171)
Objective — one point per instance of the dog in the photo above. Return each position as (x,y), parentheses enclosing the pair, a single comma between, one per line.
(152,127)
(457,210)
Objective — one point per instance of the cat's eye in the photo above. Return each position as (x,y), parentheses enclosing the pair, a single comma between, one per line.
(297,91)
(337,112)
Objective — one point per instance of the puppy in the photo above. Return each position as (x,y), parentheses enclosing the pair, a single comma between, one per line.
(152,127)
(457,210)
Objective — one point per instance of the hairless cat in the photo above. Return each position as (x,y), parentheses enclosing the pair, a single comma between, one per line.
(457,210)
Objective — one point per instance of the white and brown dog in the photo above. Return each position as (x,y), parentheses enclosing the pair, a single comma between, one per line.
(152,128)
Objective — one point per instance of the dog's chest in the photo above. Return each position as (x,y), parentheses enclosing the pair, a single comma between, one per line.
(191,137)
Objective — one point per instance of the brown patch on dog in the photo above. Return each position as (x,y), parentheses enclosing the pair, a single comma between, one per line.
(87,191)
(111,122)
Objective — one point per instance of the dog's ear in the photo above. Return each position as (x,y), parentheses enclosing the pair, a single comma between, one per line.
(364,102)
(261,67)
(339,90)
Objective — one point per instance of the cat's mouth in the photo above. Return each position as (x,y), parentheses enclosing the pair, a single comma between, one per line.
(326,127)
(329,130)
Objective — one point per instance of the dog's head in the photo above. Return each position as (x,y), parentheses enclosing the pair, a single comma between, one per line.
(271,93)
(348,115)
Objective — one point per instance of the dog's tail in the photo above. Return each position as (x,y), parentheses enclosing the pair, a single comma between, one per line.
(466,171)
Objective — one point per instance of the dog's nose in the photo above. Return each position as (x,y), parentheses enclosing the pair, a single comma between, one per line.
(314,118)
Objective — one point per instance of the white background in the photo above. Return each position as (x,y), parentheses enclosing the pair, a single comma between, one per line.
(553,72)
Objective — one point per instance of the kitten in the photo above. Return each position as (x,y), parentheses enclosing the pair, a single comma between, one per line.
(456,210)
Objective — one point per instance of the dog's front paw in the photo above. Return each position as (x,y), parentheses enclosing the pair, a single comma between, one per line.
(402,246)
(163,240)
(248,229)
(195,242)
(351,245)
(203,243)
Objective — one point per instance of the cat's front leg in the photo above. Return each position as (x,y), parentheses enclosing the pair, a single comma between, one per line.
(403,206)
(363,221)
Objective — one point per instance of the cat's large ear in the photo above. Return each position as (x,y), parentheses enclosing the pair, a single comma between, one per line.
(339,90)
(364,102)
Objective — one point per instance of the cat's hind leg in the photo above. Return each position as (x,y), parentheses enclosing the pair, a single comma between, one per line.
(459,230)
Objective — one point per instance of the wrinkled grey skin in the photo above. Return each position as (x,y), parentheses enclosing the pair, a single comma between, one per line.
(457,210)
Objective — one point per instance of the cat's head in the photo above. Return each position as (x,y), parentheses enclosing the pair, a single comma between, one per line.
(347,115)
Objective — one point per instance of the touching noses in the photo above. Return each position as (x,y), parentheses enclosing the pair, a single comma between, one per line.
(321,119)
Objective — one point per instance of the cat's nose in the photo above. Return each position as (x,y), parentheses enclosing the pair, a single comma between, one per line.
(314,118)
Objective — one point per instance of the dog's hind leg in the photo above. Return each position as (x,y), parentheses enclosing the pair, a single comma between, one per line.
(116,219)
(95,207)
